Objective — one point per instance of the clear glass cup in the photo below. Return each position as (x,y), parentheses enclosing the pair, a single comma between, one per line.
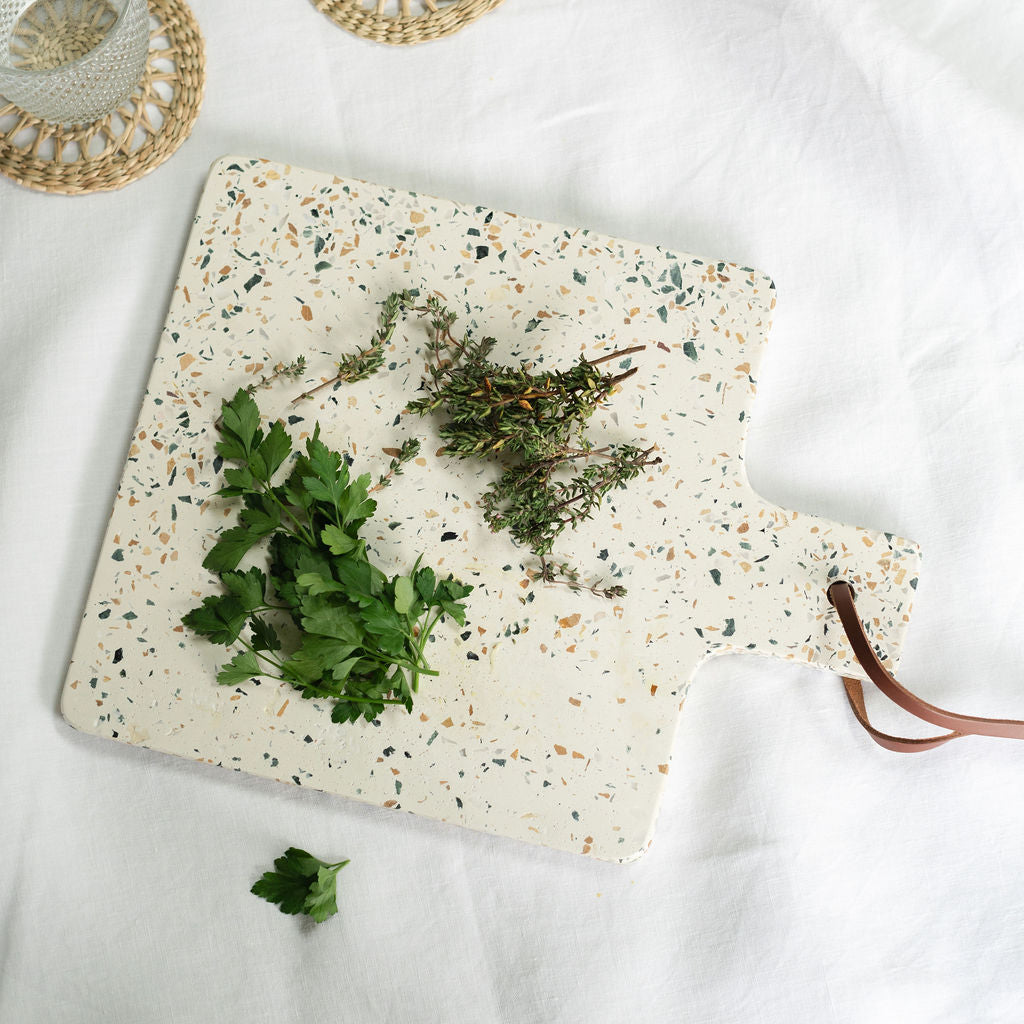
(72,61)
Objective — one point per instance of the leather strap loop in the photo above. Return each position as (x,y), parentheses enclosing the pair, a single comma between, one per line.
(841,595)
(900,744)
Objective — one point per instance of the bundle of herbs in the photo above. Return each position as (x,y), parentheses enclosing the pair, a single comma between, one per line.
(534,423)
(350,634)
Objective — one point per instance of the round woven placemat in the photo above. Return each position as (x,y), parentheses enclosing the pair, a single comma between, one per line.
(404,22)
(123,146)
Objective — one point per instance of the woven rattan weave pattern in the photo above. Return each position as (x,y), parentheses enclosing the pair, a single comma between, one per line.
(404,22)
(121,147)
(49,36)
(72,61)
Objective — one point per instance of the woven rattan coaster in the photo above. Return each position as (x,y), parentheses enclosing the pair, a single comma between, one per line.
(403,22)
(123,146)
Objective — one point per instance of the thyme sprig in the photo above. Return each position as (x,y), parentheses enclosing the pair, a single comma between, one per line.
(399,457)
(286,371)
(565,574)
(534,423)
(367,361)
(289,371)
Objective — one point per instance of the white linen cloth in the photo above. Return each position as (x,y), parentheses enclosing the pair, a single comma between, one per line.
(868,155)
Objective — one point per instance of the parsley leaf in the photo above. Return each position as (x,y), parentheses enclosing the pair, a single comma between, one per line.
(249,587)
(337,540)
(355,505)
(231,547)
(404,595)
(240,669)
(301,884)
(273,450)
(318,657)
(261,516)
(332,620)
(315,583)
(322,901)
(239,426)
(264,636)
(425,582)
(328,474)
(221,619)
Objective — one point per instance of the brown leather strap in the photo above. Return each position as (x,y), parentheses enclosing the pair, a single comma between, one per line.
(841,595)
(901,744)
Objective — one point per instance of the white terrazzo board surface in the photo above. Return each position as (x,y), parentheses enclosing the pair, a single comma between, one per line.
(552,719)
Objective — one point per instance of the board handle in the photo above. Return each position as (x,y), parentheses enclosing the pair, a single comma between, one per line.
(841,597)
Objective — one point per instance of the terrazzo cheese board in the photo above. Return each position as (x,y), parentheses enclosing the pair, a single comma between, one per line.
(553,715)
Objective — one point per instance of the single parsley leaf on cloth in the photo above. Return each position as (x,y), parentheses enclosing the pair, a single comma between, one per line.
(301,884)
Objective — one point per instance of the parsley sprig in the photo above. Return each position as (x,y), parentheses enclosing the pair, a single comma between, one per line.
(326,620)
(302,884)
